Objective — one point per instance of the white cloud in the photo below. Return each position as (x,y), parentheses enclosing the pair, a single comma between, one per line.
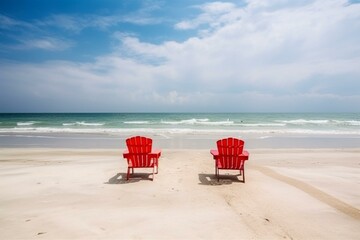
(170,98)
(40,33)
(67,22)
(260,59)
(25,36)
(9,23)
(46,43)
(214,14)
(77,23)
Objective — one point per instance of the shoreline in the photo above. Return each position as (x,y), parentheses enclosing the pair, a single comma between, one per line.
(176,141)
(67,193)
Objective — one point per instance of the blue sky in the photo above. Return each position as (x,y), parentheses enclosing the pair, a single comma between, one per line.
(180,56)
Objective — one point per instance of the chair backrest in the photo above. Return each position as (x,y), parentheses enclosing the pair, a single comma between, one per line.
(229,150)
(139,145)
(230,146)
(139,149)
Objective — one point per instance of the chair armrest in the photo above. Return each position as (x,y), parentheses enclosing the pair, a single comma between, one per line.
(126,153)
(245,154)
(156,153)
(214,152)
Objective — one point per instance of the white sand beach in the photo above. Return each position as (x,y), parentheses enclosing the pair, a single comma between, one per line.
(82,194)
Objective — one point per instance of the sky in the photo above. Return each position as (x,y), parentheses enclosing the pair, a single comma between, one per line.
(179,56)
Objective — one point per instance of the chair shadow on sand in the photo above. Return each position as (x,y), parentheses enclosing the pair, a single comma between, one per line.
(211,179)
(120,178)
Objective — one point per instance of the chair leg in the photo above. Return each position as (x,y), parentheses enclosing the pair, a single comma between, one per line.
(128,174)
(153,174)
(243,173)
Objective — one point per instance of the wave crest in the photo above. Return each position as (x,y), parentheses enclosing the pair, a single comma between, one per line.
(29,123)
(196,121)
(83,124)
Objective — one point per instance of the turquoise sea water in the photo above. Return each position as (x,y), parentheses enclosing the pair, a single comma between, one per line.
(15,127)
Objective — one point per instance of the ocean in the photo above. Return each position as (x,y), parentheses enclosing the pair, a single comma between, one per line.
(180,130)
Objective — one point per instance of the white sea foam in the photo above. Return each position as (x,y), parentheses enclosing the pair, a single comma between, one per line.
(27,136)
(264,137)
(354,123)
(69,124)
(83,124)
(26,123)
(188,121)
(348,122)
(303,121)
(220,123)
(166,131)
(136,122)
(202,121)
(89,124)
(261,124)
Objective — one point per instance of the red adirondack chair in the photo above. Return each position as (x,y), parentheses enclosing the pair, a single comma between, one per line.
(140,154)
(230,156)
